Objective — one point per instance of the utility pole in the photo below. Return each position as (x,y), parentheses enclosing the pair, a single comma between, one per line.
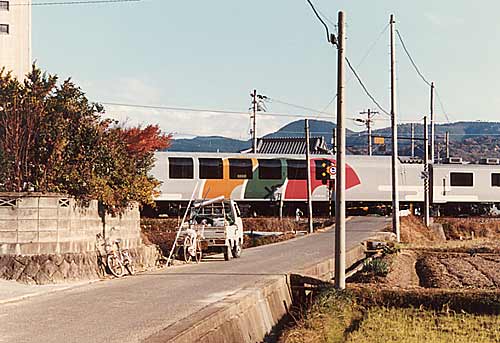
(340,254)
(412,128)
(368,122)
(334,140)
(254,120)
(395,179)
(425,175)
(447,143)
(433,141)
(309,192)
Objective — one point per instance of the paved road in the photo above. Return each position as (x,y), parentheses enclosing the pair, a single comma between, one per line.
(133,308)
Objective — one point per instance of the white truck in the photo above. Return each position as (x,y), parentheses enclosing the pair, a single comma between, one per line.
(212,226)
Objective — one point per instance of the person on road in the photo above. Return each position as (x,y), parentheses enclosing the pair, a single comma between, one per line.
(298,214)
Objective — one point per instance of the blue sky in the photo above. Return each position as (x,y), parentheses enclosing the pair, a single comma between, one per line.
(211,54)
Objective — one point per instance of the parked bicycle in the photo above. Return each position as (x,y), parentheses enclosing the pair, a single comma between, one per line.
(117,260)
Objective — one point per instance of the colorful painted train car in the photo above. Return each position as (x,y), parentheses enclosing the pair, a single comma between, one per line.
(260,180)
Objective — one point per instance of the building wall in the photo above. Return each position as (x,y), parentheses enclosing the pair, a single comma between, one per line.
(15,47)
(32,224)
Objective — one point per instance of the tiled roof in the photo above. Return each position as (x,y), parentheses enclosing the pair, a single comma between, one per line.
(291,145)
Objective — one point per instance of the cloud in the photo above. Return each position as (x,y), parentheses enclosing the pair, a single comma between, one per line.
(444,20)
(135,91)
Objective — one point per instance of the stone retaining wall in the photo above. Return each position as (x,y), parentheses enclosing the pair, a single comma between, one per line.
(60,268)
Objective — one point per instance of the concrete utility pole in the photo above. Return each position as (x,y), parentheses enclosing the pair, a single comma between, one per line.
(433,140)
(368,122)
(447,143)
(254,120)
(395,171)
(425,175)
(340,255)
(412,128)
(309,192)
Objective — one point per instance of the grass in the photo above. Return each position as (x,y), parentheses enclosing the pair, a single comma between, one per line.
(338,317)
(411,325)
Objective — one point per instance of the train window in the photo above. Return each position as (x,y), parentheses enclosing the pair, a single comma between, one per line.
(240,168)
(296,169)
(270,169)
(495,180)
(180,167)
(211,168)
(461,179)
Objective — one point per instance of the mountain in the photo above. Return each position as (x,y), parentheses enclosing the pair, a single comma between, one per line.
(222,144)
(209,144)
(470,140)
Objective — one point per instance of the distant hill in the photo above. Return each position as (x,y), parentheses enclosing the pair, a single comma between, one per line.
(469,140)
(222,144)
(209,144)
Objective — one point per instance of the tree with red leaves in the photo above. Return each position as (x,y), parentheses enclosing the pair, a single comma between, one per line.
(52,139)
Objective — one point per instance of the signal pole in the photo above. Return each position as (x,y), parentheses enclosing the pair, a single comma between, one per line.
(254,120)
(433,141)
(447,143)
(395,190)
(412,128)
(368,122)
(308,163)
(340,254)
(425,175)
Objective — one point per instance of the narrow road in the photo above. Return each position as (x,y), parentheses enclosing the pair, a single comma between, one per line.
(133,308)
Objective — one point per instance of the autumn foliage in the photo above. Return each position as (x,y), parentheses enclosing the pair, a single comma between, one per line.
(52,139)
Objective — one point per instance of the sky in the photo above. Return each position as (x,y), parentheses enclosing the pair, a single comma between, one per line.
(212,54)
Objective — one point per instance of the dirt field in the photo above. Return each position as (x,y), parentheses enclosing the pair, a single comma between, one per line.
(162,231)
(458,271)
(430,291)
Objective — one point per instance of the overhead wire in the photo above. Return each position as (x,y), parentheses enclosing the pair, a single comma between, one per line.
(417,69)
(75,2)
(364,88)
(321,20)
(411,59)
(205,110)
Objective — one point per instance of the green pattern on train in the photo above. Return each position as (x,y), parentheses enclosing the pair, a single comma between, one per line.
(264,189)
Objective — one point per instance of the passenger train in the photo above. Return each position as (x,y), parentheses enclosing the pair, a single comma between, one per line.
(262,183)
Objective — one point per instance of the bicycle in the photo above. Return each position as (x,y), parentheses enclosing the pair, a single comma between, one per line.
(117,260)
(192,249)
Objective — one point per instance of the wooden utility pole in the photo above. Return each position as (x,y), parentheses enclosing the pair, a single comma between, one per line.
(254,121)
(368,122)
(425,174)
(308,163)
(395,171)
(412,128)
(340,254)
(433,140)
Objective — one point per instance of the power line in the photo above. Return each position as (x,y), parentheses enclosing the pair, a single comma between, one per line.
(76,2)
(441,105)
(411,59)
(206,110)
(364,87)
(321,20)
(297,106)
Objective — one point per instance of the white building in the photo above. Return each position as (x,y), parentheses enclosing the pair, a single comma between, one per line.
(15,36)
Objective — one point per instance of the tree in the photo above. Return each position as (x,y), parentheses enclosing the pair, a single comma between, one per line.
(52,139)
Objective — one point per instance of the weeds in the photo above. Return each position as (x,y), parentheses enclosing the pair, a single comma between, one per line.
(376,267)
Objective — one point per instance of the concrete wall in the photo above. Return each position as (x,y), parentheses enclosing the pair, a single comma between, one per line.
(55,224)
(15,47)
